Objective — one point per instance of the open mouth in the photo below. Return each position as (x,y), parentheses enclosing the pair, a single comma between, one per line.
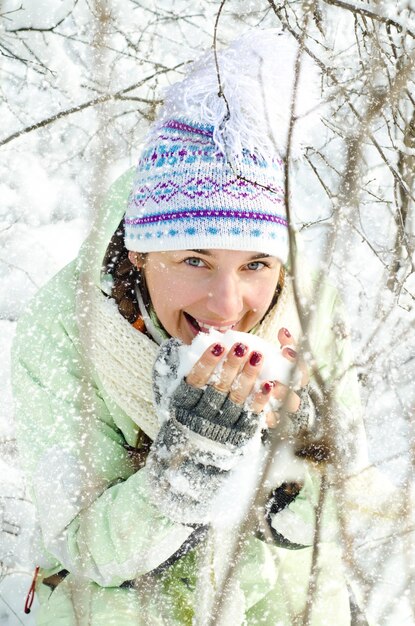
(199,326)
(193,322)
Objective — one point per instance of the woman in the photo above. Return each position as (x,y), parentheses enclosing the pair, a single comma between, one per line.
(129,478)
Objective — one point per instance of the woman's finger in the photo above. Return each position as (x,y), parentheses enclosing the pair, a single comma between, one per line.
(288,350)
(292,356)
(262,397)
(232,365)
(285,337)
(203,369)
(286,396)
(244,383)
(272,419)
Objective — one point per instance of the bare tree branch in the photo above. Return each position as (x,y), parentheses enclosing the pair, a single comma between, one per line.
(86,105)
(7,13)
(362,9)
(20,269)
(330,74)
(44,30)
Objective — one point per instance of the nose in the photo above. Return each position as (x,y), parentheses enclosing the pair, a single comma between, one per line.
(226,297)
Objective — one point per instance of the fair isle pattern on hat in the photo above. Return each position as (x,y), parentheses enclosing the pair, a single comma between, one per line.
(187,196)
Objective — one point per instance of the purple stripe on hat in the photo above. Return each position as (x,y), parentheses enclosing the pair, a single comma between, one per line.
(206,187)
(184,140)
(189,128)
(223,213)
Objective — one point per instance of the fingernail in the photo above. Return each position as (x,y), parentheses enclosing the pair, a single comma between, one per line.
(292,353)
(217,349)
(255,358)
(267,387)
(286,332)
(240,349)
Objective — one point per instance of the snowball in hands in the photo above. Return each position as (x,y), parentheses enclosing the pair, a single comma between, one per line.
(275,365)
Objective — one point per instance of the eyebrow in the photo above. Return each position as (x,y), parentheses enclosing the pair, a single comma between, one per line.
(260,255)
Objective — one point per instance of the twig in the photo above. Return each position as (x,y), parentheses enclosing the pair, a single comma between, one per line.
(16,267)
(361,9)
(43,30)
(81,107)
(221,93)
(20,8)
(330,74)
(313,576)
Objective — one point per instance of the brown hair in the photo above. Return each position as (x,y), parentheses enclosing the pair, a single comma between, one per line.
(125,275)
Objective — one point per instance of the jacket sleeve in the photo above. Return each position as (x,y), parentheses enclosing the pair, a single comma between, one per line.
(94,511)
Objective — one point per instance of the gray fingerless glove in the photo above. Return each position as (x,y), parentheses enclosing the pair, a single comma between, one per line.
(200,440)
(303,420)
(212,414)
(207,412)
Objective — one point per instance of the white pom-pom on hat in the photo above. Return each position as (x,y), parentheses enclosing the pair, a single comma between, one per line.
(257,75)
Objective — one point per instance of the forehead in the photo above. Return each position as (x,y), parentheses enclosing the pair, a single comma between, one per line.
(213,252)
(219,254)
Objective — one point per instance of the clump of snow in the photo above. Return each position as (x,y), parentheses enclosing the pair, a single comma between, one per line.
(274,366)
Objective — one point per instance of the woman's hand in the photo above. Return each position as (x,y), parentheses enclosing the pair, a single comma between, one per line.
(280,392)
(211,401)
(239,372)
(208,429)
(213,414)
(236,377)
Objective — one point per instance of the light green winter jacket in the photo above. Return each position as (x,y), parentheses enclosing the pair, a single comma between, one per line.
(96,517)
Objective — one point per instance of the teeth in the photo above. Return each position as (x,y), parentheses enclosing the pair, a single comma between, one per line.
(208,327)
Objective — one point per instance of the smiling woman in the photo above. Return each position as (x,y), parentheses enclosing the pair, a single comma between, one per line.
(139,483)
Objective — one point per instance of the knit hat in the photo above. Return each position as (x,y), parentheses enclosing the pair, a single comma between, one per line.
(212,172)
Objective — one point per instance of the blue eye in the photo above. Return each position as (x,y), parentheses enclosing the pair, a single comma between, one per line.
(256,265)
(194,261)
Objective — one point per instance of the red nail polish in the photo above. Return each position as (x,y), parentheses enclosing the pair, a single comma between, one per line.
(286,332)
(292,353)
(267,387)
(255,358)
(217,349)
(240,350)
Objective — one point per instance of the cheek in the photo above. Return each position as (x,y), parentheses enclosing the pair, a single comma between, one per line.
(157,287)
(261,295)
(169,294)
(264,290)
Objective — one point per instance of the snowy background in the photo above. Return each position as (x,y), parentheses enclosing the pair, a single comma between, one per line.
(50,64)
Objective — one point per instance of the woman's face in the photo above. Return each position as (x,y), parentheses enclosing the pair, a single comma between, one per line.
(194,290)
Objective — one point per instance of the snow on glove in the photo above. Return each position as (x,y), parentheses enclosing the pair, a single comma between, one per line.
(201,439)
